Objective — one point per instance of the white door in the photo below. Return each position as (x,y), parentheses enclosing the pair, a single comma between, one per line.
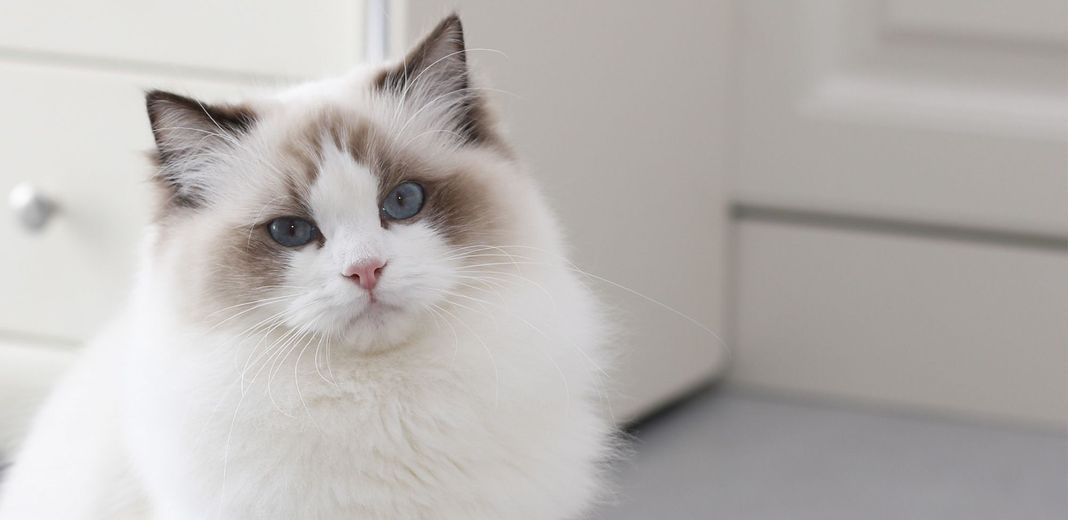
(901,200)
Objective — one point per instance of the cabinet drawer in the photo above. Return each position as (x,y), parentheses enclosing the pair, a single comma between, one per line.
(80,138)
(265,37)
(974,328)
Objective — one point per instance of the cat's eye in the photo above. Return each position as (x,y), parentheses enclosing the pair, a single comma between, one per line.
(292,231)
(404,201)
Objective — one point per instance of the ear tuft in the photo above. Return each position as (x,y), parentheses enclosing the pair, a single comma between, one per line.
(434,80)
(181,124)
(186,132)
(441,49)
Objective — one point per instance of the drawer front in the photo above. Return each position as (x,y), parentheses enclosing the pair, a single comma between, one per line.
(975,328)
(80,138)
(264,37)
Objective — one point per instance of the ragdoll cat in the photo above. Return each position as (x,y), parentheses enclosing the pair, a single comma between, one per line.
(353,305)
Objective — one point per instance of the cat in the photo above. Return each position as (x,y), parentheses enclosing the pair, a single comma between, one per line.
(354,303)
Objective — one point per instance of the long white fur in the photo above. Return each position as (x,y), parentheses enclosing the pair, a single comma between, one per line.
(484,406)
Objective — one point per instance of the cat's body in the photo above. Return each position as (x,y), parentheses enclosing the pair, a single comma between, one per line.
(462,384)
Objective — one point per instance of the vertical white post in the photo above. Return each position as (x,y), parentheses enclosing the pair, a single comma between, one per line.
(376,28)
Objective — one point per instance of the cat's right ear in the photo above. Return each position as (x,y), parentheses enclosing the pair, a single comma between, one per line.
(433,82)
(188,135)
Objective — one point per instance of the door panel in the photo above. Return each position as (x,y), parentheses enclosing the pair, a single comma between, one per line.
(1035,21)
(977,328)
(909,110)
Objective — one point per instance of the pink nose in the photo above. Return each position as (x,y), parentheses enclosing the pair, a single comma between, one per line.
(365,273)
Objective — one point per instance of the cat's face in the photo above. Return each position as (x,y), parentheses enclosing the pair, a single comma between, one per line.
(349,210)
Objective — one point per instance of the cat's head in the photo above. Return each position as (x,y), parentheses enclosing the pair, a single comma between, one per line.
(348,208)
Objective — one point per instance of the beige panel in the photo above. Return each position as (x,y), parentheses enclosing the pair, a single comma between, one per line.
(619,108)
(841,111)
(81,138)
(272,37)
(1042,21)
(942,324)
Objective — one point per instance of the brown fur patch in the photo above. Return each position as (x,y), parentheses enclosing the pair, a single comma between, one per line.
(453,200)
(248,262)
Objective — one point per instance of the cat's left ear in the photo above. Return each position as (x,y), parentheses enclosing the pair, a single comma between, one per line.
(434,80)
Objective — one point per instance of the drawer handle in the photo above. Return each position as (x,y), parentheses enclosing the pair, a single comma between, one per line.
(32,208)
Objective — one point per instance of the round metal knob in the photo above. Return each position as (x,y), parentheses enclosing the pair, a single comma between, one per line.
(32,208)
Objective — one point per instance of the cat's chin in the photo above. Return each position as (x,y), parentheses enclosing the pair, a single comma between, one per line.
(379,327)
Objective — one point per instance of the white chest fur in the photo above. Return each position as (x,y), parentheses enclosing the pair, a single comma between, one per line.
(479,419)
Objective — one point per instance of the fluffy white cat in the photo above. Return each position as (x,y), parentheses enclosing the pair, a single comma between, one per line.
(353,304)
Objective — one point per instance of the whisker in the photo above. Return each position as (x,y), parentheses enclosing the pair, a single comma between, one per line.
(296,382)
(276,361)
(617,285)
(249,364)
(246,311)
(493,360)
(560,371)
(455,336)
(271,299)
(318,347)
(520,277)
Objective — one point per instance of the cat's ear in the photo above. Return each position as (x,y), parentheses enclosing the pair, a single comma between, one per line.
(187,133)
(433,79)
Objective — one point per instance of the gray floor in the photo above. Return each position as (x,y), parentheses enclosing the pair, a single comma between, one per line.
(729,455)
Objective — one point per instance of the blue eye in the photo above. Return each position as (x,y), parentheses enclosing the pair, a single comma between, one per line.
(292,231)
(404,201)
